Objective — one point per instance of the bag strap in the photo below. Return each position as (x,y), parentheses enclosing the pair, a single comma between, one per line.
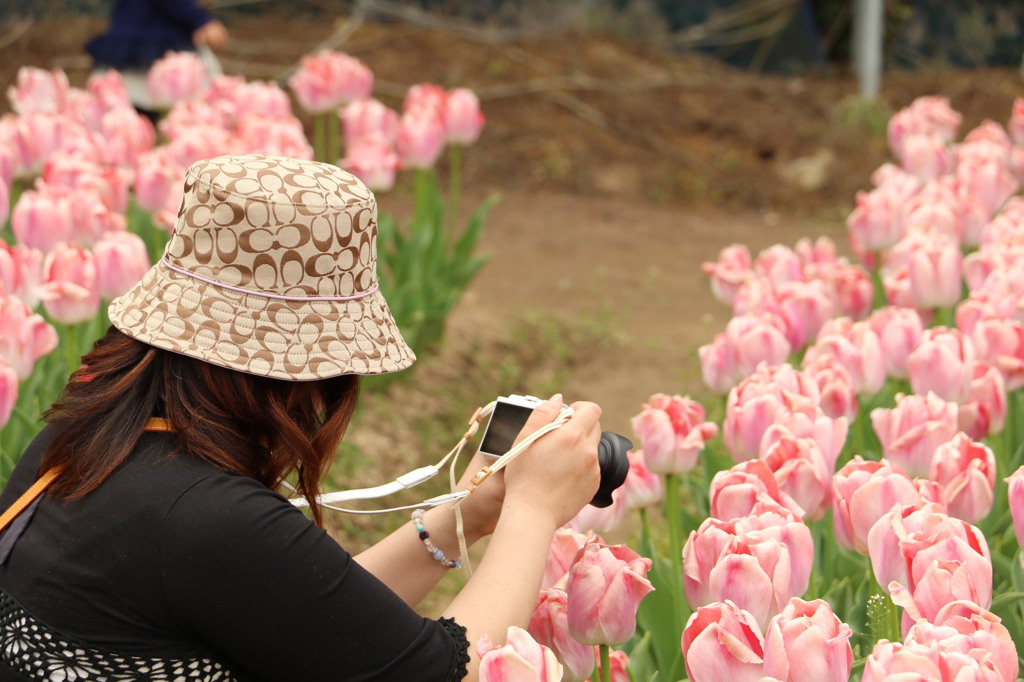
(50,475)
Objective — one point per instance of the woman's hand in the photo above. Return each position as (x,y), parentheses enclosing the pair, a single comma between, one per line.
(559,473)
(212,34)
(482,509)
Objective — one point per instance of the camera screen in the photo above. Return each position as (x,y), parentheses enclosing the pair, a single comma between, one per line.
(506,423)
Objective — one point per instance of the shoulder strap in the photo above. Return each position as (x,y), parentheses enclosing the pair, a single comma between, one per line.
(49,476)
(28,497)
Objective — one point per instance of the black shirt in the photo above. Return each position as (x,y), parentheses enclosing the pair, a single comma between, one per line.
(173,560)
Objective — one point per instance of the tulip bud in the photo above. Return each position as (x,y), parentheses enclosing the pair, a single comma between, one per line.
(24,336)
(672,432)
(549,626)
(808,642)
(606,585)
(463,120)
(175,77)
(8,391)
(121,261)
(723,642)
(911,431)
(70,289)
(421,139)
(520,658)
(328,80)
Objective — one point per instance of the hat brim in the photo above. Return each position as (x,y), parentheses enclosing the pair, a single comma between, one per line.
(272,337)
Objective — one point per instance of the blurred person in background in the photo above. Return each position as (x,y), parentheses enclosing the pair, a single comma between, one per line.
(143,31)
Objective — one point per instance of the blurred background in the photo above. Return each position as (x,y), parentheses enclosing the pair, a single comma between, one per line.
(629,141)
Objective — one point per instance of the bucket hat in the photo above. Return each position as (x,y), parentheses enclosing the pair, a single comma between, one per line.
(271,270)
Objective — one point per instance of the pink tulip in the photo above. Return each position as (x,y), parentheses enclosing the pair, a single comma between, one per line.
(732,269)
(20,272)
(91,218)
(367,117)
(760,401)
(932,263)
(999,340)
(373,160)
(988,180)
(943,364)
(121,261)
(329,80)
(808,642)
(802,472)
(911,431)
(1016,126)
(193,113)
(901,533)
(84,174)
(201,142)
(42,218)
(8,391)
(817,255)
(549,626)
(930,115)
(1015,496)
(38,136)
(914,662)
(274,136)
(737,492)
(718,364)
(779,264)
(937,208)
(427,99)
(421,139)
(899,330)
(967,472)
(805,307)
(176,76)
(601,519)
(925,156)
(984,411)
(565,545)
(723,642)
(24,336)
(642,487)
(877,220)
(260,97)
(672,432)
(758,562)
(463,119)
(158,181)
(857,348)
(981,630)
(520,659)
(758,338)
(862,492)
(38,91)
(835,386)
(128,135)
(618,667)
(70,289)
(851,289)
(606,585)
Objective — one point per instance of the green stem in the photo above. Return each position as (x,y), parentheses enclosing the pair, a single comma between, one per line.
(606,663)
(675,541)
(333,137)
(421,190)
(73,355)
(454,186)
(876,280)
(320,137)
(645,534)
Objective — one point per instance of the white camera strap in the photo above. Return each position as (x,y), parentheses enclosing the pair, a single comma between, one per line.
(418,476)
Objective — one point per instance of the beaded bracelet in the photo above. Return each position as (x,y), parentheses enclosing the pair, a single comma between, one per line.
(436,553)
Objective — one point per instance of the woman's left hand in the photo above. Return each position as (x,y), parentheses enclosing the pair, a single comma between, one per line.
(480,511)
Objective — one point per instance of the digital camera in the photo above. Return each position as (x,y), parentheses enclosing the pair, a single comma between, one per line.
(510,415)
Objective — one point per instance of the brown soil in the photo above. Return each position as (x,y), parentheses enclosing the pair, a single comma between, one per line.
(622,166)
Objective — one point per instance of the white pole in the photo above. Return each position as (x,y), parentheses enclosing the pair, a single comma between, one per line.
(867,43)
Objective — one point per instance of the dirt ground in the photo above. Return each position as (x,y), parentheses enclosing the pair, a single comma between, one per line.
(622,166)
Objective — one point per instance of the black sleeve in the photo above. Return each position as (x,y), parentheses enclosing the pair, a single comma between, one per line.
(246,571)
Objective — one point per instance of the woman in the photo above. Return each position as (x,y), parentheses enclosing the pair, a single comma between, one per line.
(143,31)
(160,550)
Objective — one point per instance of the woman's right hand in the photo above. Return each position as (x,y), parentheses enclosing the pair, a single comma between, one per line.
(559,473)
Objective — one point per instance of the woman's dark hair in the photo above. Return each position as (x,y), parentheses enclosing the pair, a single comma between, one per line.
(264,428)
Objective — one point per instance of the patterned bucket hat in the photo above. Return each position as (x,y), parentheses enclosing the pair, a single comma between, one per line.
(271,270)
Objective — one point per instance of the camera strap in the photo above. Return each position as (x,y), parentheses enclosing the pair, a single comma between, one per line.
(418,476)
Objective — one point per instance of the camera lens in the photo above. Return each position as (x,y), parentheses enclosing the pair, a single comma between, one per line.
(611,457)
